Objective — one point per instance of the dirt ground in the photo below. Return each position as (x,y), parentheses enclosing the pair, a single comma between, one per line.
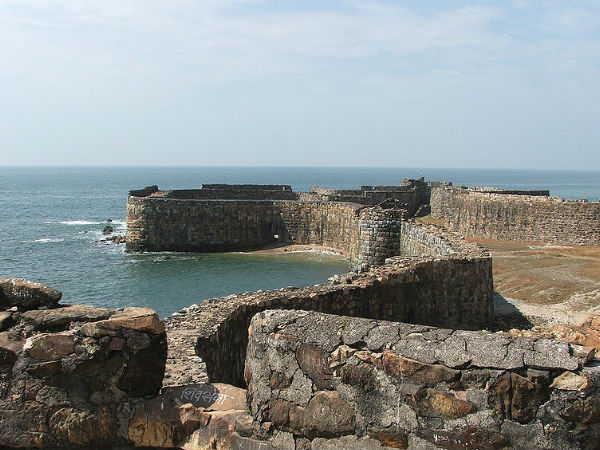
(547,290)
(552,278)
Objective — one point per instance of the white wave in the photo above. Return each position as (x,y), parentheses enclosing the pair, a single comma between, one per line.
(80,222)
(44,240)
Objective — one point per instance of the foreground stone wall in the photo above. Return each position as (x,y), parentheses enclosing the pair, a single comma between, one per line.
(68,374)
(452,291)
(328,382)
(517,217)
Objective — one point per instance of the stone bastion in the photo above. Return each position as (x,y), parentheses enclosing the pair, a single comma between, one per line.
(394,354)
(516,215)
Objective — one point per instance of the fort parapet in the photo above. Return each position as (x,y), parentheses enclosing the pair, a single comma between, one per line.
(517,215)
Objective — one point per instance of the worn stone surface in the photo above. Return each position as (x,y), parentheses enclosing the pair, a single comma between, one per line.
(5,320)
(328,415)
(434,403)
(516,397)
(399,401)
(190,417)
(26,294)
(209,397)
(245,443)
(315,363)
(45,347)
(411,369)
(139,319)
(569,381)
(66,388)
(347,443)
(59,318)
(470,438)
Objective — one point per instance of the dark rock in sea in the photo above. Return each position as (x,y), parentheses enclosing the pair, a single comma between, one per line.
(109,220)
(108,229)
(26,295)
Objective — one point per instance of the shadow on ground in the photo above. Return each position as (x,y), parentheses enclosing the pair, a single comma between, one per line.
(507,316)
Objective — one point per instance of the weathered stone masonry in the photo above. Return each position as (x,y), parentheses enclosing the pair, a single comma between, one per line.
(364,234)
(439,280)
(69,374)
(330,382)
(455,290)
(513,217)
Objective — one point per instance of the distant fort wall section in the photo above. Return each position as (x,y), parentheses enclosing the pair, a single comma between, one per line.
(516,215)
(246,217)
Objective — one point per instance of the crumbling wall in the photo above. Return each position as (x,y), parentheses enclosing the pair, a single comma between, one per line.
(517,217)
(322,381)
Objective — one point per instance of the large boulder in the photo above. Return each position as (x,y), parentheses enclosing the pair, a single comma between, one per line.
(26,295)
(73,386)
(61,318)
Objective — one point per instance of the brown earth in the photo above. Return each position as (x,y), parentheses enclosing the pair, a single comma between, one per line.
(547,274)
(550,290)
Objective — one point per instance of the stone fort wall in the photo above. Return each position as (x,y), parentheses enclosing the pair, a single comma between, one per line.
(515,217)
(455,290)
(419,274)
(367,235)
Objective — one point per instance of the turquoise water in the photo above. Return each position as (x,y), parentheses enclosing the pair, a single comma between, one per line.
(52,218)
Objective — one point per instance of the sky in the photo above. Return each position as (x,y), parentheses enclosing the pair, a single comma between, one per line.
(507,84)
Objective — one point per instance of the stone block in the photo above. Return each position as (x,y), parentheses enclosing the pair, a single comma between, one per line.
(26,295)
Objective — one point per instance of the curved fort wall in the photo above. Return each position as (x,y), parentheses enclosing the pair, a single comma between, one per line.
(516,216)
(455,290)
(439,279)
(364,234)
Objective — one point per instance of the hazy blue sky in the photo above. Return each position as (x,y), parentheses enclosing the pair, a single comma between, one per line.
(348,83)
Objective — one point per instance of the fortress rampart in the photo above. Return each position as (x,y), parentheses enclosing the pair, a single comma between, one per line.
(510,216)
(449,286)
(191,220)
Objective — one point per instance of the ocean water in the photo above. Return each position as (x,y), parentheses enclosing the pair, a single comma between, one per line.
(51,221)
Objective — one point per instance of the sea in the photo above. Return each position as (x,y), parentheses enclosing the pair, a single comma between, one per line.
(51,222)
